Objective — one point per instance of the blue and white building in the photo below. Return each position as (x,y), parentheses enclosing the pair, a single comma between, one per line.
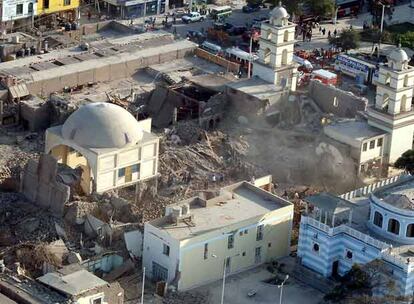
(371,223)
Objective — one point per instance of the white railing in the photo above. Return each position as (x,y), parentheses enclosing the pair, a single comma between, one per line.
(364,191)
(344,229)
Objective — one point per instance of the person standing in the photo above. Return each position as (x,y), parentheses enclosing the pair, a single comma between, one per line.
(329,34)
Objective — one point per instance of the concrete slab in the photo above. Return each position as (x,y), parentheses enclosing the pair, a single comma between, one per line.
(237,287)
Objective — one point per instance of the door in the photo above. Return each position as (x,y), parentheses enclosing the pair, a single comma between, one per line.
(128,174)
(258,255)
(159,273)
(335,266)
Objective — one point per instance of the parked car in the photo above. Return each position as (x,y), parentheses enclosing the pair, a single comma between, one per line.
(237,30)
(192,17)
(220,26)
(212,48)
(358,89)
(250,8)
(196,36)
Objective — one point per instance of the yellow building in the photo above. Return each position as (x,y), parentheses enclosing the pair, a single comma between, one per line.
(65,8)
(241,228)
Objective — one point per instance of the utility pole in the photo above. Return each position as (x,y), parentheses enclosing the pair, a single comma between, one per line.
(143,285)
(224,281)
(281,288)
(250,55)
(382,27)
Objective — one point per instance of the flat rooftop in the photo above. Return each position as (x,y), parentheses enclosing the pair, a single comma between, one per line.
(236,203)
(74,283)
(256,87)
(400,196)
(352,132)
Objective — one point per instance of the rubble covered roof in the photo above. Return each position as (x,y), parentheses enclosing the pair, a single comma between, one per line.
(256,87)
(72,284)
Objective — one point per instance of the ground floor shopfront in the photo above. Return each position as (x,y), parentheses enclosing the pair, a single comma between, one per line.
(136,8)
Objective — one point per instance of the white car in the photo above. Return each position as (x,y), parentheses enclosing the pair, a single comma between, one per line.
(192,17)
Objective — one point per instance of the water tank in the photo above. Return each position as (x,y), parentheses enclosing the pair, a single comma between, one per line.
(176,212)
(185,209)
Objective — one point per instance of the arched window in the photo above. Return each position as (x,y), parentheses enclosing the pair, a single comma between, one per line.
(286,36)
(378,219)
(403,103)
(30,8)
(284,57)
(266,55)
(269,35)
(410,230)
(385,100)
(406,81)
(388,79)
(394,226)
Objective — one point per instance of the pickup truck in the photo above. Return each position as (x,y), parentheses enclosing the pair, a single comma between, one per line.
(192,17)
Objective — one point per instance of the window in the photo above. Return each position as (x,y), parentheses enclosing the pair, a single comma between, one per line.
(364,147)
(379,142)
(406,81)
(378,219)
(230,241)
(410,230)
(316,247)
(388,79)
(46,4)
(30,8)
(66,2)
(372,144)
(205,251)
(394,226)
(135,168)
(246,231)
(241,233)
(166,250)
(286,36)
(259,234)
(284,57)
(97,301)
(121,172)
(244,253)
(269,245)
(348,254)
(19,9)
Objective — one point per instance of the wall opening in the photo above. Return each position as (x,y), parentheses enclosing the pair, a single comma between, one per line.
(266,55)
(403,103)
(378,218)
(394,226)
(388,79)
(284,57)
(286,36)
(410,230)
(406,81)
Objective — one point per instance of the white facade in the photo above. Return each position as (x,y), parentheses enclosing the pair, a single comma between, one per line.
(17,9)
(393,111)
(108,144)
(277,41)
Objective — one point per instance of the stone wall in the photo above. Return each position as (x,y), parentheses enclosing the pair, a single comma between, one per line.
(346,104)
(39,185)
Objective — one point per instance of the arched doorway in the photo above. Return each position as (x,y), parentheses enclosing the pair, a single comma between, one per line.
(74,159)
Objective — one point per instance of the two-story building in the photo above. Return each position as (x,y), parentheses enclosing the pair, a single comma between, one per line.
(199,238)
(375,222)
(17,12)
(67,9)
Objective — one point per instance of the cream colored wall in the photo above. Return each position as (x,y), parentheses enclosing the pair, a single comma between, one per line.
(110,164)
(88,299)
(59,153)
(371,153)
(195,270)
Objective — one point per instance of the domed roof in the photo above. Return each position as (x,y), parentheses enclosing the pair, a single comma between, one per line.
(102,125)
(398,55)
(279,12)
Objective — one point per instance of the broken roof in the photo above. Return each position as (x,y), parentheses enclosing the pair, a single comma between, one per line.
(256,87)
(72,284)
(328,202)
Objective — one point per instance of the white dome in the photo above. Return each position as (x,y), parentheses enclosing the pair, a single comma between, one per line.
(398,55)
(102,125)
(279,12)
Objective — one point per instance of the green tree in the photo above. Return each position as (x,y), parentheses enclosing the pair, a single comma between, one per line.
(292,6)
(254,2)
(323,8)
(406,161)
(347,40)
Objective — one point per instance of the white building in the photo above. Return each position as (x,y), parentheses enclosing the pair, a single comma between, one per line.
(242,227)
(389,129)
(108,143)
(12,10)
(371,223)
(277,40)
